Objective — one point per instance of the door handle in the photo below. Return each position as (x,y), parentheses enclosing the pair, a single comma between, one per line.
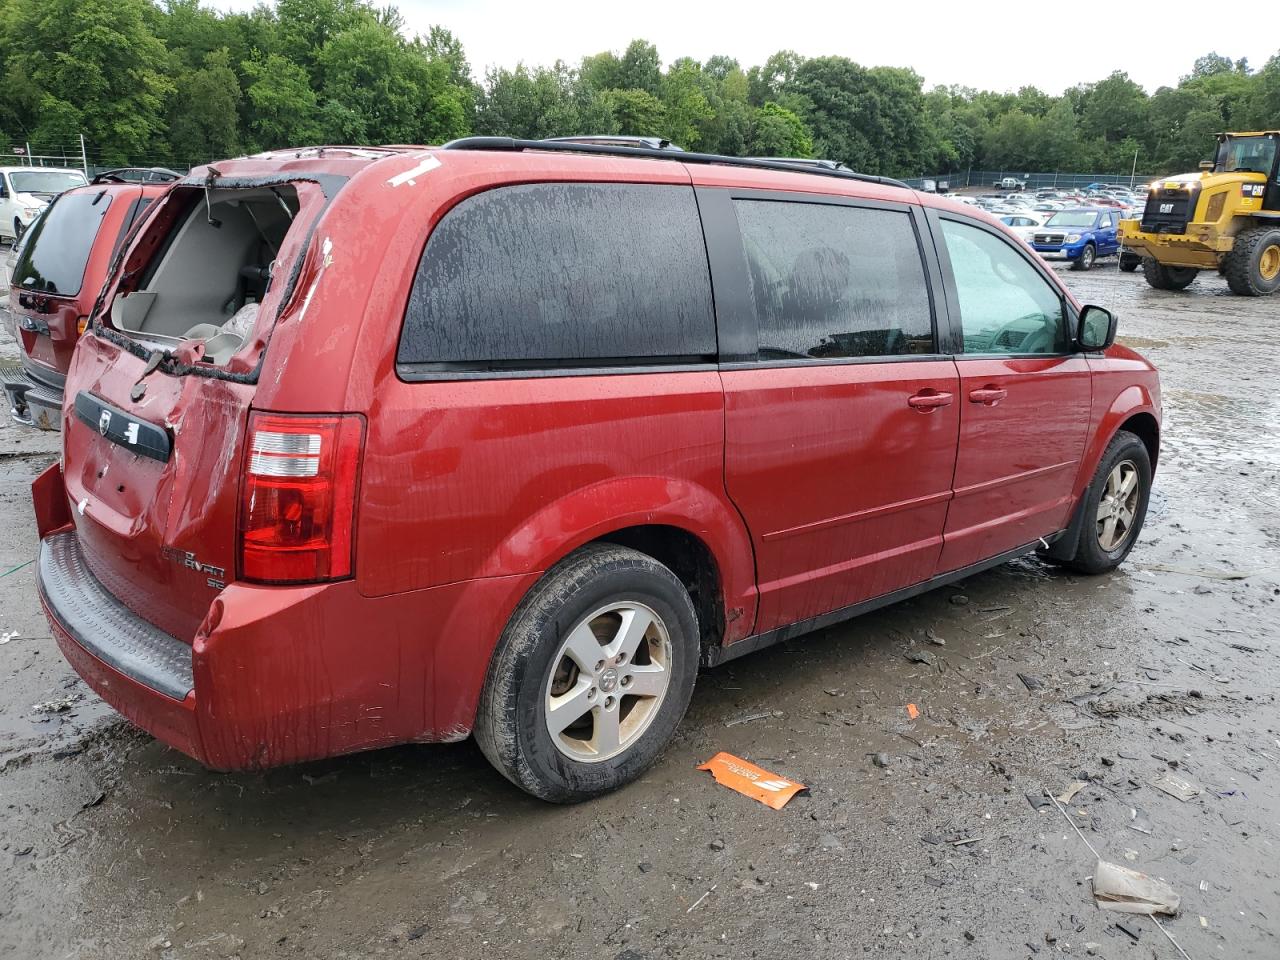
(928,400)
(988,396)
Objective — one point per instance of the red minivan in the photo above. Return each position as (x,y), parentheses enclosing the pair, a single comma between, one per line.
(62,262)
(507,438)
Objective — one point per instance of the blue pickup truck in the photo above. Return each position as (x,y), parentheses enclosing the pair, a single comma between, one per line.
(1081,235)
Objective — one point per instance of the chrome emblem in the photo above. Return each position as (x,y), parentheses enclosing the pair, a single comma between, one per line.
(104,422)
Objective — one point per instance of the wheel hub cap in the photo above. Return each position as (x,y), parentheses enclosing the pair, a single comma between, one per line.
(607,681)
(1269,264)
(1118,506)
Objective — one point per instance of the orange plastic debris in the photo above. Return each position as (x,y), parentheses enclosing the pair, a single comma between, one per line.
(913,711)
(752,781)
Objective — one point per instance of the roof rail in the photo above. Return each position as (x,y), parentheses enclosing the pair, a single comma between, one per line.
(618,140)
(511,144)
(807,162)
(148,175)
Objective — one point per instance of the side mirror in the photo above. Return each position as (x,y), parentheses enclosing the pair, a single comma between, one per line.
(1096,329)
(1206,164)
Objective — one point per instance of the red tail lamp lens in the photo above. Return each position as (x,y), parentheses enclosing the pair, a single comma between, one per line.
(297,511)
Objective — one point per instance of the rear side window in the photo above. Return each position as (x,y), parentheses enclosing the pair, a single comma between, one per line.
(834,281)
(57,251)
(563,274)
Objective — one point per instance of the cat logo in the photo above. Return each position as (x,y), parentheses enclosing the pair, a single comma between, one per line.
(1166,208)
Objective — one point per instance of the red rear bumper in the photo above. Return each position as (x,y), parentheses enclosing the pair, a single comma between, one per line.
(278,675)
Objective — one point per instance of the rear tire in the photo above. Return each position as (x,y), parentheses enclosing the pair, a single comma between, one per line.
(1167,278)
(1086,259)
(601,595)
(1252,267)
(1113,510)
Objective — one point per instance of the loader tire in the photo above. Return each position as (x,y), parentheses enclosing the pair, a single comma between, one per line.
(1252,268)
(1167,278)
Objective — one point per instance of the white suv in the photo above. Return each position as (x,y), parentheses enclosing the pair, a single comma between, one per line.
(25,191)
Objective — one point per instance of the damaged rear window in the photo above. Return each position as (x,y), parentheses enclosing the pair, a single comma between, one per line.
(54,258)
(212,270)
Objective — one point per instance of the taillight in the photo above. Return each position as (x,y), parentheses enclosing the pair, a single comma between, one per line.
(297,509)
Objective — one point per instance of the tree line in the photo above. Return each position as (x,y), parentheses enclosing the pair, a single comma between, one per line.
(177,83)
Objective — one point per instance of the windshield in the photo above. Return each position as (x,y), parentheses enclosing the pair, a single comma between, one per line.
(58,245)
(1254,154)
(1072,218)
(45,181)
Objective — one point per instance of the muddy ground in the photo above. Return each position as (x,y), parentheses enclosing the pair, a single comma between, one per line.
(112,845)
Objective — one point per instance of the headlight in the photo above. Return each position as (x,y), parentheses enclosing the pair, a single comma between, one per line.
(1073,238)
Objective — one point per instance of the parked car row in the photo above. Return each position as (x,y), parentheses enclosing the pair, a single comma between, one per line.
(365,446)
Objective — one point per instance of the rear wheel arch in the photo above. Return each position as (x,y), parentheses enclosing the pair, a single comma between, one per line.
(659,517)
(692,560)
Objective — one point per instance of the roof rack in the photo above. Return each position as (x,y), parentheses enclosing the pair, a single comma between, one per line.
(513,145)
(807,162)
(618,140)
(148,175)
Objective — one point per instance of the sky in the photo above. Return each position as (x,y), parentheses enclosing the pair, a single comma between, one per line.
(1002,46)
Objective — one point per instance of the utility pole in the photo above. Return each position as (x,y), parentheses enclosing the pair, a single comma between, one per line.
(84,158)
(28,153)
(1133,176)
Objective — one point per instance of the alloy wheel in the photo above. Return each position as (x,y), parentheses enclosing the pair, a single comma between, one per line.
(1118,506)
(607,681)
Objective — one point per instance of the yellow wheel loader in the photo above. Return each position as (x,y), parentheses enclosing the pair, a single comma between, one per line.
(1225,217)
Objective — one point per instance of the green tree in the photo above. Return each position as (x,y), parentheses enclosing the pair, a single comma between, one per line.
(394,91)
(777,132)
(285,111)
(1114,108)
(686,109)
(89,65)
(204,118)
(636,113)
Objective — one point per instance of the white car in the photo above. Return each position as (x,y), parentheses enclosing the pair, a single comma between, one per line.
(1024,222)
(25,191)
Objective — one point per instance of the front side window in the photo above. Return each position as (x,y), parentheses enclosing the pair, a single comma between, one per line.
(831,281)
(1005,305)
(563,274)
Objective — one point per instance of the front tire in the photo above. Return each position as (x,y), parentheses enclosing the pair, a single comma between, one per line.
(1129,262)
(591,676)
(1162,277)
(1086,259)
(18,230)
(1252,267)
(1114,506)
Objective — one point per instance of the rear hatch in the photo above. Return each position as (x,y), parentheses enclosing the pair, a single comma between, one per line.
(50,289)
(159,391)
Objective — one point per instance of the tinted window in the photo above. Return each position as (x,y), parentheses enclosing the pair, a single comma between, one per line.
(835,281)
(574,273)
(1005,305)
(54,258)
